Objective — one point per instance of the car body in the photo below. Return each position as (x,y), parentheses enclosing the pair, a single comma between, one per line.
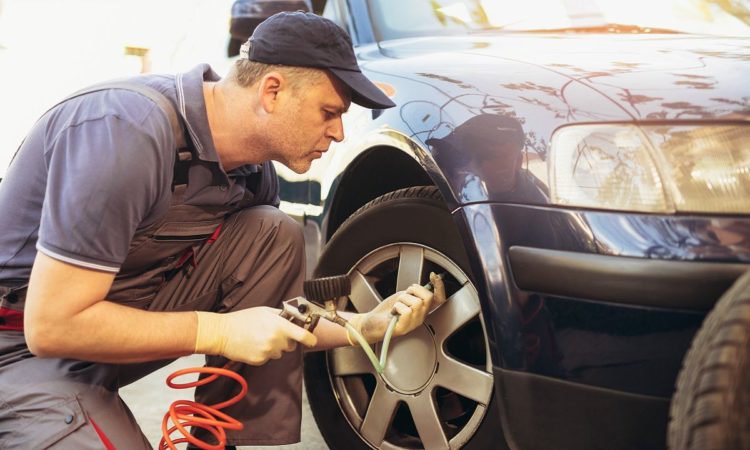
(596,175)
(247,14)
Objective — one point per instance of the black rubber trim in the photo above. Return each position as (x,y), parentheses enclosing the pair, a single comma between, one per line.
(689,285)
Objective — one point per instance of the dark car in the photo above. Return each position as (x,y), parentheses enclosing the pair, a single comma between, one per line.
(247,14)
(580,171)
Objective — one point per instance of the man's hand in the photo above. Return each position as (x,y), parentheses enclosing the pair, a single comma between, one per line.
(412,305)
(251,336)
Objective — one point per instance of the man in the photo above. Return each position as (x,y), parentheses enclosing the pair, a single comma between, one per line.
(123,249)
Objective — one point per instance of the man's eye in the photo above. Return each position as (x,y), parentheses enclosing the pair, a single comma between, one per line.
(329,114)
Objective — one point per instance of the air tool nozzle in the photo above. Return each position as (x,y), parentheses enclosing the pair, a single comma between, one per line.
(305,312)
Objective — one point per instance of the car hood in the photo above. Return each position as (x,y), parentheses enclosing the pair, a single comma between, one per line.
(641,77)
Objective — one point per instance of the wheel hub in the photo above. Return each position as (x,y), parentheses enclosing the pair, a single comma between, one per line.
(412,361)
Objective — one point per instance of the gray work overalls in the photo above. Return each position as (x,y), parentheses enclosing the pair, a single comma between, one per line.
(208,257)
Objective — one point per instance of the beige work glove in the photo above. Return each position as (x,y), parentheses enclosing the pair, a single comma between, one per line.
(251,336)
(413,305)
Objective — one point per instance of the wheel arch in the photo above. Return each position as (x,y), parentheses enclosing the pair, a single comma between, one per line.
(393,163)
(376,171)
(385,168)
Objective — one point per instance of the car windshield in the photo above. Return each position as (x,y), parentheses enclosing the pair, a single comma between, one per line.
(393,19)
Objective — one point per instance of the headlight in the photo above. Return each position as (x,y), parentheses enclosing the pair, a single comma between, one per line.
(653,168)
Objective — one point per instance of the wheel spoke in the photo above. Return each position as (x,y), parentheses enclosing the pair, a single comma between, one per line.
(464,380)
(363,296)
(411,260)
(379,415)
(349,361)
(460,308)
(426,419)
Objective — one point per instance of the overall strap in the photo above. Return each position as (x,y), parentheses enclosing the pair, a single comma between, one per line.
(156,96)
(183,156)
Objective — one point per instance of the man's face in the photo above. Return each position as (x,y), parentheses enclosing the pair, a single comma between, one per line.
(309,121)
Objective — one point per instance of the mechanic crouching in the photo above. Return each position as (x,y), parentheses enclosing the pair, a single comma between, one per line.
(140,224)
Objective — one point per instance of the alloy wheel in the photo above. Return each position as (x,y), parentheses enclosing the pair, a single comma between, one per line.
(438,381)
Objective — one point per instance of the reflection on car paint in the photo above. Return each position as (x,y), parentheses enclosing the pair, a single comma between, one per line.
(610,346)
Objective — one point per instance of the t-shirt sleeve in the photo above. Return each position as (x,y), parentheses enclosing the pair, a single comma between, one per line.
(104,177)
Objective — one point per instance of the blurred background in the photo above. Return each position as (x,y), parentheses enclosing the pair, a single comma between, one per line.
(51,48)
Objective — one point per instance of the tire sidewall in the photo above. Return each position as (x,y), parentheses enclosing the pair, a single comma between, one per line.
(692,410)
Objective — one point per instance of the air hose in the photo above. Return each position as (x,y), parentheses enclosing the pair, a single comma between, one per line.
(379,365)
(185,413)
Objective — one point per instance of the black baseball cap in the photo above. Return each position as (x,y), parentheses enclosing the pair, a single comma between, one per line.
(308,40)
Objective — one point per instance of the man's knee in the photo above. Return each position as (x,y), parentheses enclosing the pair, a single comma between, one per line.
(265,236)
(274,223)
(263,258)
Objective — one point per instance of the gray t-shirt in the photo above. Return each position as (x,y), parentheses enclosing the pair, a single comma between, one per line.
(97,168)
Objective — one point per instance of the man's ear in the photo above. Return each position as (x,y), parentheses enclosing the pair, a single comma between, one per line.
(268,90)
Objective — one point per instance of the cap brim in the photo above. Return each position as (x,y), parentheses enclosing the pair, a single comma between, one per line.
(364,92)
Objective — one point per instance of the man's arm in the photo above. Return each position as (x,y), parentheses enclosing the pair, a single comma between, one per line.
(66,316)
(331,335)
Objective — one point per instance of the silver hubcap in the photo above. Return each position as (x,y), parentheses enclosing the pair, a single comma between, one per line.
(411,362)
(445,396)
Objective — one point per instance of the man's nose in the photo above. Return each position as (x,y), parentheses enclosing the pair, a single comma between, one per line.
(336,131)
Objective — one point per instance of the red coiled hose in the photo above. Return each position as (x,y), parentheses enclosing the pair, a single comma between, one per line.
(185,413)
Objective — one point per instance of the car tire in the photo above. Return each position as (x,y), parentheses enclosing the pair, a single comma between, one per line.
(406,222)
(711,406)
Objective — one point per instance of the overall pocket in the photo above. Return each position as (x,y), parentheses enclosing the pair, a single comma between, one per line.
(144,271)
(39,424)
